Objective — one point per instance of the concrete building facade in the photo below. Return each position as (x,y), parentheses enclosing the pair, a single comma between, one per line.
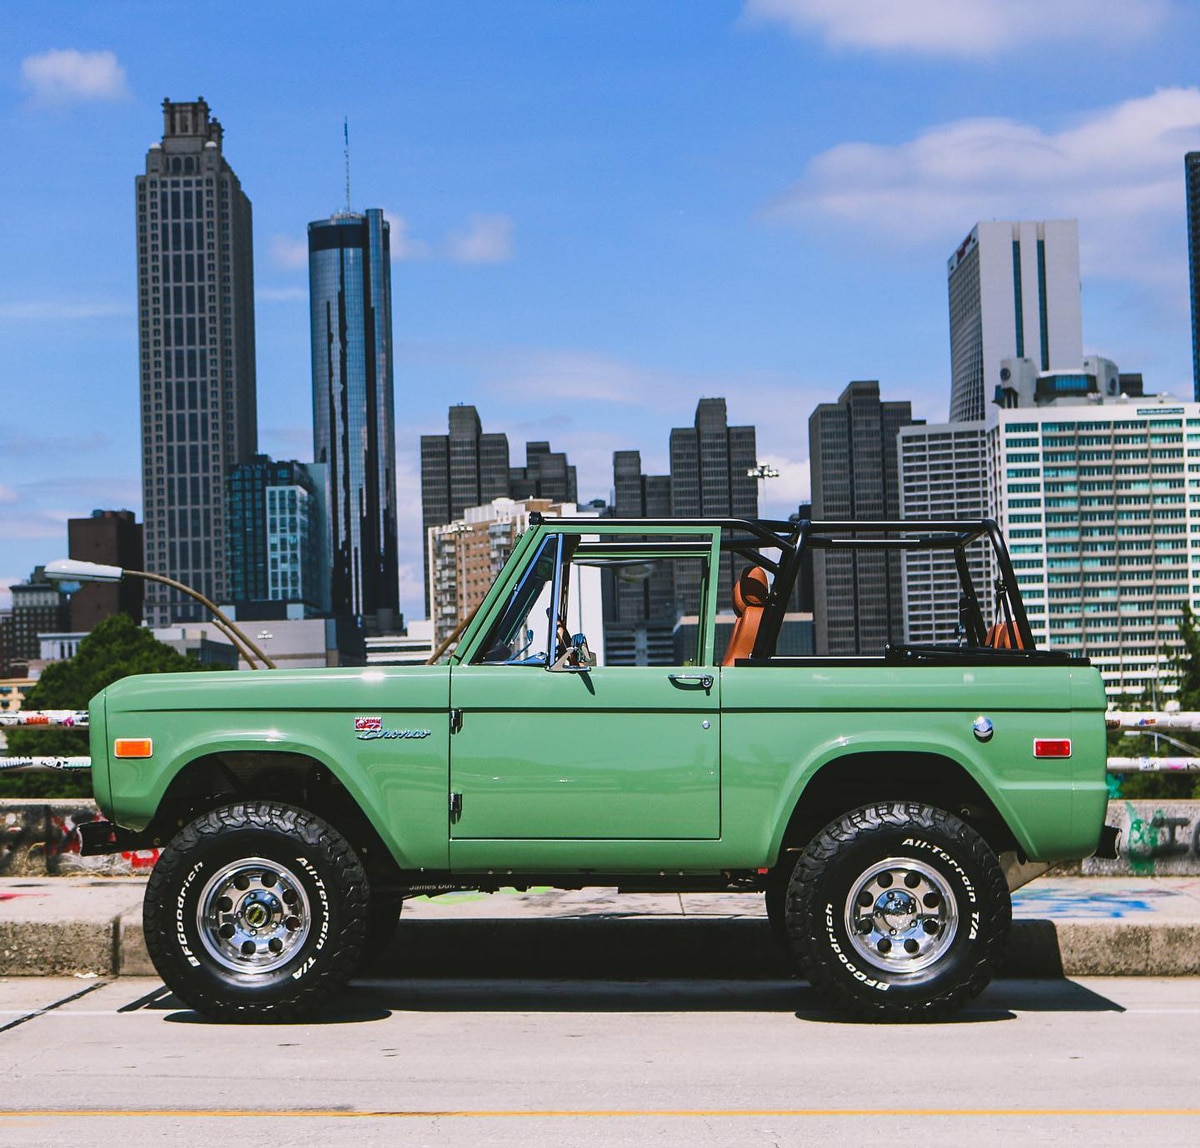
(111,538)
(858,601)
(196,353)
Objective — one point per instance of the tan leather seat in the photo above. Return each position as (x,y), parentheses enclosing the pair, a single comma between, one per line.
(1003,636)
(749,597)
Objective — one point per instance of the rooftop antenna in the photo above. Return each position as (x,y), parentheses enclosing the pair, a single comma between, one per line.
(346,141)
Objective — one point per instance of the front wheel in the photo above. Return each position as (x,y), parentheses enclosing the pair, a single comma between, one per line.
(256,911)
(899,911)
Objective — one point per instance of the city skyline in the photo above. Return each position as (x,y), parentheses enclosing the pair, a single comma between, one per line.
(605,226)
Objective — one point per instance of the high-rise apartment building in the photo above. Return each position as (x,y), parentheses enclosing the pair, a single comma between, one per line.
(350,296)
(710,478)
(276,543)
(1100,504)
(466,555)
(1014,293)
(1191,171)
(196,352)
(858,595)
(112,538)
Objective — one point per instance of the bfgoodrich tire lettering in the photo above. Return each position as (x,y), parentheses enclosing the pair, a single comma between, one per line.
(256,911)
(898,911)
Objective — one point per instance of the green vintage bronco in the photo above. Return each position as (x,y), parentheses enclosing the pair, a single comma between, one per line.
(885,803)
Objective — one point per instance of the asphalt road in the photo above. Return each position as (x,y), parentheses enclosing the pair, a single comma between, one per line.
(1101,1061)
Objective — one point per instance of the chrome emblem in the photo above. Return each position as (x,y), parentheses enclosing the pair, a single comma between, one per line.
(983,728)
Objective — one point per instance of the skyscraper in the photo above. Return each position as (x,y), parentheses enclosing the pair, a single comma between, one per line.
(196,351)
(1014,293)
(350,293)
(710,461)
(463,468)
(1191,171)
(546,474)
(858,595)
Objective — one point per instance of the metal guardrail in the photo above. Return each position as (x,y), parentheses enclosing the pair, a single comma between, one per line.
(70,719)
(44,719)
(1149,723)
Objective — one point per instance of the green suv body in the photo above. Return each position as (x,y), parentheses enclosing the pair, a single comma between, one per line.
(885,804)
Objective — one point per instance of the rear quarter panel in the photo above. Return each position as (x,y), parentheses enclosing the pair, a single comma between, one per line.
(781,725)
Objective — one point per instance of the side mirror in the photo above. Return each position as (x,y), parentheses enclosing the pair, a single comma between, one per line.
(577,659)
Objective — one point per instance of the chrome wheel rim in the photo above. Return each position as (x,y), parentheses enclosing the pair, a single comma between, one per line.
(901,915)
(253,915)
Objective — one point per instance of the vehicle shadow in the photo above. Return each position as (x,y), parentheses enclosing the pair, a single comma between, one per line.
(605,964)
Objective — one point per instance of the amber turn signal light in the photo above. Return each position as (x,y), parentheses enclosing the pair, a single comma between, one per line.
(133,747)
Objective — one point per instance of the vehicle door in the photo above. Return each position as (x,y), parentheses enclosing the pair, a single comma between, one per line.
(550,747)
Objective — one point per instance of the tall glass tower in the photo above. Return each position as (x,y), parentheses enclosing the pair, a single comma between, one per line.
(350,293)
(1191,169)
(196,352)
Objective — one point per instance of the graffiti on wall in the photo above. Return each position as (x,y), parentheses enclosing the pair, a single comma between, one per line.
(1158,838)
(38,838)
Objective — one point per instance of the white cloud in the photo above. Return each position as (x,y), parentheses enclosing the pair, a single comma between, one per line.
(404,247)
(1118,170)
(7,494)
(67,76)
(962,28)
(289,252)
(487,239)
(52,310)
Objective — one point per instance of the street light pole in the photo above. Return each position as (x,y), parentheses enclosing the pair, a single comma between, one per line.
(72,570)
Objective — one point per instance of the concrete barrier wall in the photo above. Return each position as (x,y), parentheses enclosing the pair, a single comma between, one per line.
(41,838)
(1159,838)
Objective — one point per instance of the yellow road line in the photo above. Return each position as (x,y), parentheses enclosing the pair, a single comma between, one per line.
(542,1114)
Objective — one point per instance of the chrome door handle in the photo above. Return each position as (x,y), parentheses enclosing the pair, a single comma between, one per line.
(704,681)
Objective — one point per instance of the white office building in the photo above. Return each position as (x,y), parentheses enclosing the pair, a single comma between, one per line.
(1014,294)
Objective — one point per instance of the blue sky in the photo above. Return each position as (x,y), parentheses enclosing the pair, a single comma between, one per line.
(602,210)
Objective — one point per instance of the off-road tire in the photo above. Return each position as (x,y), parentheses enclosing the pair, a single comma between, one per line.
(898,912)
(256,911)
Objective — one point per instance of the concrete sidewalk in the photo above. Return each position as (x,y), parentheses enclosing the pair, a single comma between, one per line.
(1073,926)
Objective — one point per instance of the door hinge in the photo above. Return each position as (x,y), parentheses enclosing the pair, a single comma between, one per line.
(455,721)
(455,806)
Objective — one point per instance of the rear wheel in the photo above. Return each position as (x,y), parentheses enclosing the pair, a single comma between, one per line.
(256,911)
(899,911)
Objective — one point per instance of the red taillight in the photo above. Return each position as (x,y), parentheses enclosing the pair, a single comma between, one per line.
(1051,747)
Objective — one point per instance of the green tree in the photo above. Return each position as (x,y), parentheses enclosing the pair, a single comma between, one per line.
(116,648)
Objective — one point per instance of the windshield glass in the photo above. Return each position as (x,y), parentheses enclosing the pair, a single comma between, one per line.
(520,633)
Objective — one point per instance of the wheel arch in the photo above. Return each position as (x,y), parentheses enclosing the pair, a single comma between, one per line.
(868,776)
(218,778)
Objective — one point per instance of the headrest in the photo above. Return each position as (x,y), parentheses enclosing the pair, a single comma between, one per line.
(750,589)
